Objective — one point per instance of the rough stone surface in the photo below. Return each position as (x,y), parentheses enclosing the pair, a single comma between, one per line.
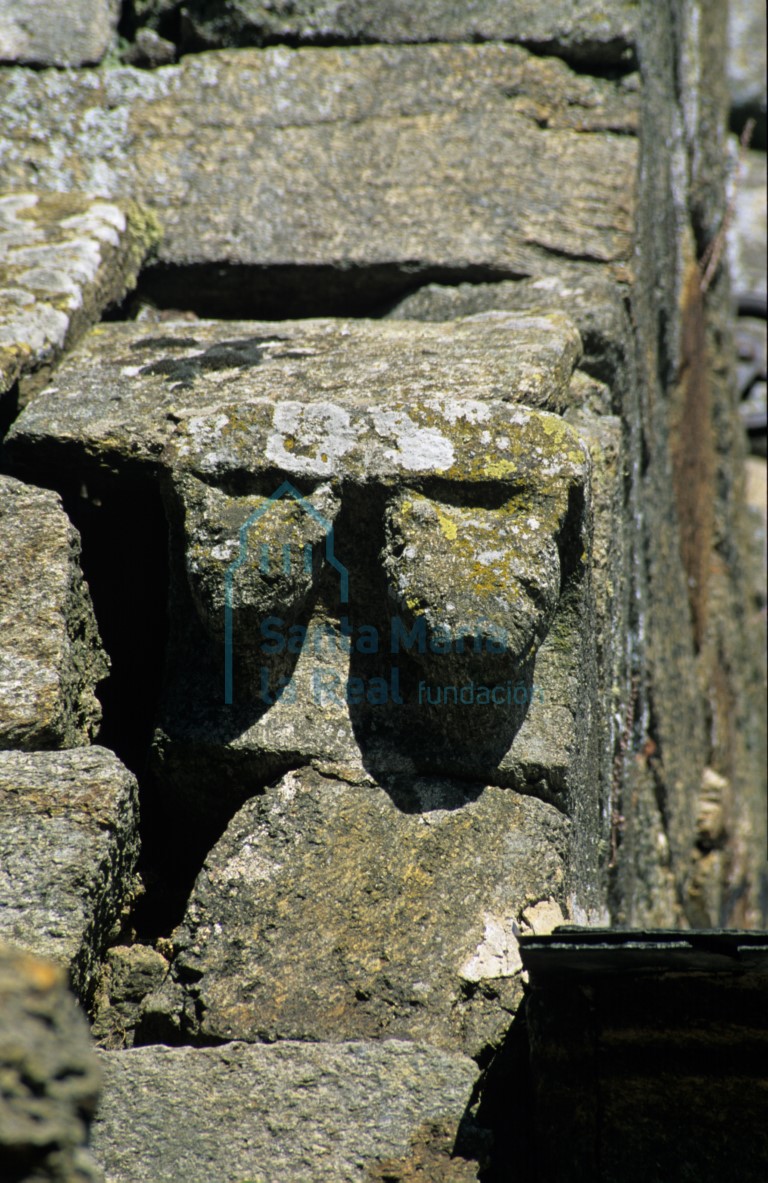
(439,159)
(130,973)
(57,32)
(593,303)
(69,842)
(578,29)
(49,1076)
(698,680)
(748,234)
(305,1112)
(746,61)
(131,390)
(378,422)
(51,658)
(63,259)
(395,914)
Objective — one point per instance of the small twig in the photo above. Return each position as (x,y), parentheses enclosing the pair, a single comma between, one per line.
(710,260)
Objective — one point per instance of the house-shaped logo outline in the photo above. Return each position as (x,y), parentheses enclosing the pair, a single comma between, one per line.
(286,489)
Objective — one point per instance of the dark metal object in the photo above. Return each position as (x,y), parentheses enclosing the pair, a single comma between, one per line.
(593,952)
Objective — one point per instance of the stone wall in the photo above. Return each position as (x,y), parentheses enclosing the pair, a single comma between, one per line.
(379,583)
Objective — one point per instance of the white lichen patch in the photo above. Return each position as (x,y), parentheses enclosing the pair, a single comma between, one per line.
(102,221)
(38,332)
(460,410)
(251,866)
(310,439)
(497,955)
(417,449)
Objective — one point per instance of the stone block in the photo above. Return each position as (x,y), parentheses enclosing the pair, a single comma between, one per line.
(68,849)
(132,390)
(57,32)
(332,911)
(51,659)
(581,30)
(593,303)
(49,1076)
(311,1113)
(356,172)
(63,259)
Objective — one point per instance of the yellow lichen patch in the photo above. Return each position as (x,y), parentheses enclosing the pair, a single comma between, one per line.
(448,527)
(498,469)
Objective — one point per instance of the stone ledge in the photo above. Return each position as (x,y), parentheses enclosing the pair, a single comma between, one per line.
(65,258)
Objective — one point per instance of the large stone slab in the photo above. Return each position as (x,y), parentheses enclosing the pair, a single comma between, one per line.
(578,29)
(331,910)
(374,163)
(131,392)
(63,259)
(51,659)
(57,32)
(308,1113)
(68,849)
(49,1076)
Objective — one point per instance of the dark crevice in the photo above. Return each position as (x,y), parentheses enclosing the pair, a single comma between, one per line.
(506,1109)
(739,118)
(9,409)
(175,845)
(123,529)
(124,558)
(260,292)
(611,59)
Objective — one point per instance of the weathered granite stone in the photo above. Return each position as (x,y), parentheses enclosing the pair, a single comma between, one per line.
(592,302)
(131,391)
(302,1112)
(336,911)
(748,233)
(129,974)
(63,259)
(746,60)
(57,32)
(756,480)
(578,29)
(68,842)
(422,161)
(356,667)
(50,655)
(49,1076)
